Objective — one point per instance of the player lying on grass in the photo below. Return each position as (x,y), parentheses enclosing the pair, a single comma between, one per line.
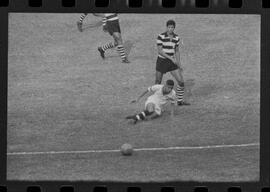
(161,95)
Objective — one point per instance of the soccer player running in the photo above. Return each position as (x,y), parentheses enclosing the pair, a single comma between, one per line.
(169,60)
(161,95)
(111,25)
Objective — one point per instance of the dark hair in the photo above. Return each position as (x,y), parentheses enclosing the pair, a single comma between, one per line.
(170,82)
(170,22)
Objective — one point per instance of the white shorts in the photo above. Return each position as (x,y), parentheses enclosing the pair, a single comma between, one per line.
(157,107)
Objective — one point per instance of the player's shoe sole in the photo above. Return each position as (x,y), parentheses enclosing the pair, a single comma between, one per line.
(182,103)
(79,25)
(102,53)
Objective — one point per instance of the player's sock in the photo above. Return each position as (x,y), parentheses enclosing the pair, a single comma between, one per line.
(142,115)
(108,46)
(180,93)
(104,20)
(121,51)
(82,17)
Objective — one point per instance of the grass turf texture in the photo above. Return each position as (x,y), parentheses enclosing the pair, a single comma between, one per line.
(62,96)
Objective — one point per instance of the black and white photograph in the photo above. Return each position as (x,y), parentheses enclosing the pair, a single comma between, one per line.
(119,97)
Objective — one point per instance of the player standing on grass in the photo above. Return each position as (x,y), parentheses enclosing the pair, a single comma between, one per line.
(169,60)
(161,95)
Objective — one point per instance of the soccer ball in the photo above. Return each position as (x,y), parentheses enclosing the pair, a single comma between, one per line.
(126,149)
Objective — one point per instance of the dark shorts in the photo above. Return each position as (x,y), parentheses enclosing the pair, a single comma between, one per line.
(113,26)
(165,65)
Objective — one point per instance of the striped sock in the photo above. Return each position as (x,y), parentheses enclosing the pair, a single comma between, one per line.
(108,46)
(82,17)
(142,115)
(104,20)
(180,93)
(121,51)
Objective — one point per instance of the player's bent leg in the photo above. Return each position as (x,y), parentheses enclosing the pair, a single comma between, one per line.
(155,115)
(110,45)
(150,108)
(82,17)
(115,43)
(178,76)
(101,52)
(80,22)
(155,111)
(79,26)
(180,89)
(159,77)
(151,111)
(120,48)
(117,38)
(103,48)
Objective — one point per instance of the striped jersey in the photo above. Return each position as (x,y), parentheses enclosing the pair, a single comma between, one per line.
(111,16)
(168,45)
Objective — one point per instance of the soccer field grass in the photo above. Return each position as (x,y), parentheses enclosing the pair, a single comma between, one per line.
(63,97)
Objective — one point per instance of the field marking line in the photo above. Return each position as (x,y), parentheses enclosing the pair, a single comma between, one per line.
(139,149)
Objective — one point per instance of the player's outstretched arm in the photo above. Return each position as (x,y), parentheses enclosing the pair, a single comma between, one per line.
(137,100)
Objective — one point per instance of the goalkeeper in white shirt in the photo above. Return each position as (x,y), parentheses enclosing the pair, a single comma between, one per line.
(161,95)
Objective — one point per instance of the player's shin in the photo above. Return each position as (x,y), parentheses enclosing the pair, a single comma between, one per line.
(82,17)
(108,46)
(180,92)
(122,53)
(143,115)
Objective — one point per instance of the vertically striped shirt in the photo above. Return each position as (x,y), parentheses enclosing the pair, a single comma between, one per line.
(168,45)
